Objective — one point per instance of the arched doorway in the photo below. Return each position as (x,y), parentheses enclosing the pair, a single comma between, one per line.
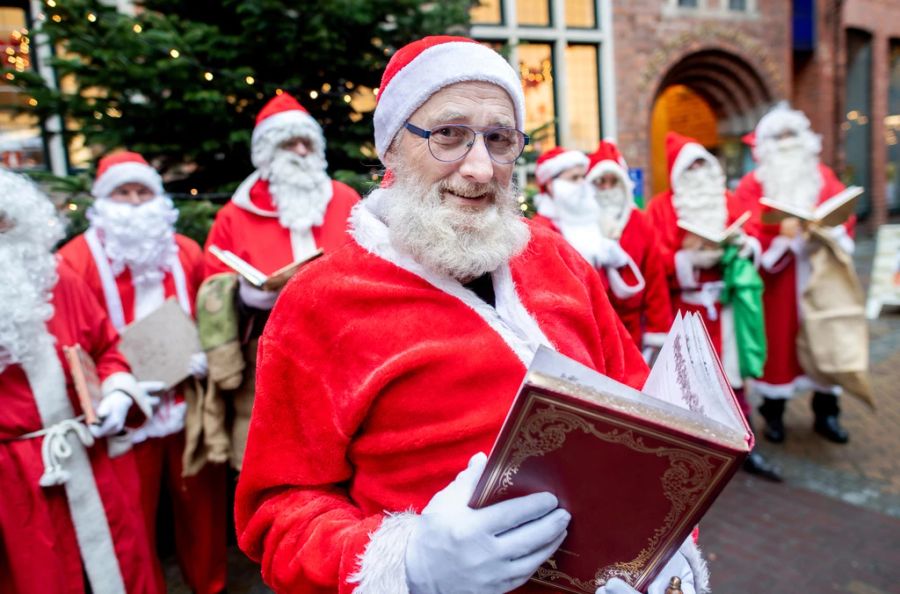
(714,96)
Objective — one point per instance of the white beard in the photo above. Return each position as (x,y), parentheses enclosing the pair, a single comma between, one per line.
(452,239)
(613,203)
(789,173)
(140,237)
(698,196)
(300,188)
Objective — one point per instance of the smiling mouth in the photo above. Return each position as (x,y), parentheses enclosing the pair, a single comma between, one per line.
(474,198)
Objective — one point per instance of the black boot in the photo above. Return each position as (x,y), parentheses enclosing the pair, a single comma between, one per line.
(826,409)
(757,464)
(772,410)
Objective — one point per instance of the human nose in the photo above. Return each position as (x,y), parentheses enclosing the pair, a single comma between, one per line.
(301,149)
(477,165)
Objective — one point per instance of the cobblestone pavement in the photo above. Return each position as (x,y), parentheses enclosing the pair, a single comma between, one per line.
(833,526)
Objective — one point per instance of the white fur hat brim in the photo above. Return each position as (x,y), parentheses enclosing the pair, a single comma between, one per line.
(127,173)
(550,168)
(276,129)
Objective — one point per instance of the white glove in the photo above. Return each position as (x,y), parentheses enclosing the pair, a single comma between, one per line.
(612,255)
(112,411)
(704,258)
(492,550)
(256,298)
(198,365)
(677,566)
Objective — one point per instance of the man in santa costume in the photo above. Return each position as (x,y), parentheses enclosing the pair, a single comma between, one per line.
(390,364)
(283,212)
(133,261)
(698,197)
(69,514)
(789,171)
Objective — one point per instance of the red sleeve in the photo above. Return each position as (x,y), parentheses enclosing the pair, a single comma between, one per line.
(220,235)
(661,218)
(192,259)
(657,304)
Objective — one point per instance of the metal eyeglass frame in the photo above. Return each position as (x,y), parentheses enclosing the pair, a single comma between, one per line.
(426,134)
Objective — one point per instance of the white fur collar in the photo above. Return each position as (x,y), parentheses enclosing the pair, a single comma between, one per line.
(241,197)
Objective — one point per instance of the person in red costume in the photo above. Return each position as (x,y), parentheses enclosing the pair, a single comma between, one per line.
(69,508)
(789,171)
(288,207)
(133,261)
(648,313)
(698,196)
(388,366)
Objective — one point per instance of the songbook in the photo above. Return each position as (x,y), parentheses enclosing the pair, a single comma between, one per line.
(86,379)
(636,469)
(831,213)
(723,237)
(254,276)
(159,346)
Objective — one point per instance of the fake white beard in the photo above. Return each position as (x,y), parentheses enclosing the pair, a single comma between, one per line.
(574,202)
(613,203)
(450,239)
(789,173)
(698,196)
(300,188)
(27,277)
(141,237)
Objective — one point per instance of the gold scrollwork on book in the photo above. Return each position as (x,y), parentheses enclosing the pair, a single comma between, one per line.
(546,429)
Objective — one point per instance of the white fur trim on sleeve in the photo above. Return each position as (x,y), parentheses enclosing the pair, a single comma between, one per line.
(755,248)
(691,552)
(685,273)
(125,382)
(779,247)
(619,287)
(382,567)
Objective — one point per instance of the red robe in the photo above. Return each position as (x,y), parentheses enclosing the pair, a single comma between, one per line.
(39,553)
(262,241)
(782,375)
(376,386)
(199,501)
(686,295)
(650,310)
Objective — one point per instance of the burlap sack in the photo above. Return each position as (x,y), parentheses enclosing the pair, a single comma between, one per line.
(833,342)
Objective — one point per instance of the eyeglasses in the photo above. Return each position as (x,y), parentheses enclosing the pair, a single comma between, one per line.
(452,142)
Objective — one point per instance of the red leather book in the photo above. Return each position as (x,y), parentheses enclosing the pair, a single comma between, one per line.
(636,471)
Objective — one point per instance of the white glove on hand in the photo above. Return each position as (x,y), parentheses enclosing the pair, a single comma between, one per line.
(112,411)
(256,298)
(704,258)
(612,255)
(492,550)
(198,365)
(677,566)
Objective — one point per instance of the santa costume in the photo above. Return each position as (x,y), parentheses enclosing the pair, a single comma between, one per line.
(380,376)
(568,206)
(69,507)
(133,261)
(288,207)
(789,170)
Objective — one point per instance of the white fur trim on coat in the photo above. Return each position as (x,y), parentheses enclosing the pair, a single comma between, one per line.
(689,153)
(241,197)
(127,173)
(382,567)
(619,287)
(692,553)
(685,273)
(279,128)
(550,168)
(802,383)
(515,325)
(435,68)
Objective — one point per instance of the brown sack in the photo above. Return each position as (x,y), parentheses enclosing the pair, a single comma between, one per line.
(833,342)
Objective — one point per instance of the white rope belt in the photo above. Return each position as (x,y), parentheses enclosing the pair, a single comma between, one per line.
(56,448)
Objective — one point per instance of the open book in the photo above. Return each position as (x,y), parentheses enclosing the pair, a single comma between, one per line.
(831,213)
(254,276)
(86,380)
(726,236)
(636,469)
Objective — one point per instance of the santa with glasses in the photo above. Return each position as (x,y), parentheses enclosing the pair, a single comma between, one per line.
(388,366)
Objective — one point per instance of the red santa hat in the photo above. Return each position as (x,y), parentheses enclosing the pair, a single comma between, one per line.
(420,69)
(280,120)
(553,162)
(608,159)
(681,151)
(124,168)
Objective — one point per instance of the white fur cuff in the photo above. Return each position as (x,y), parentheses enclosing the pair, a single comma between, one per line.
(127,383)
(780,246)
(654,339)
(382,567)
(691,552)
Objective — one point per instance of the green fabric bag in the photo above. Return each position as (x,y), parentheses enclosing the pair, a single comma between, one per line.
(743,291)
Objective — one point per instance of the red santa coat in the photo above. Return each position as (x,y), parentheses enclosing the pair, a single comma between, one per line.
(782,375)
(248,226)
(39,550)
(650,310)
(691,290)
(377,401)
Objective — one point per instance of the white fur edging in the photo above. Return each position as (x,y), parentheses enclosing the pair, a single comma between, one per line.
(691,552)
(382,567)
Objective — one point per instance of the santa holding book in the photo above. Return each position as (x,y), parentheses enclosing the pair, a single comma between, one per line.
(715,279)
(390,364)
(789,172)
(133,261)
(70,516)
